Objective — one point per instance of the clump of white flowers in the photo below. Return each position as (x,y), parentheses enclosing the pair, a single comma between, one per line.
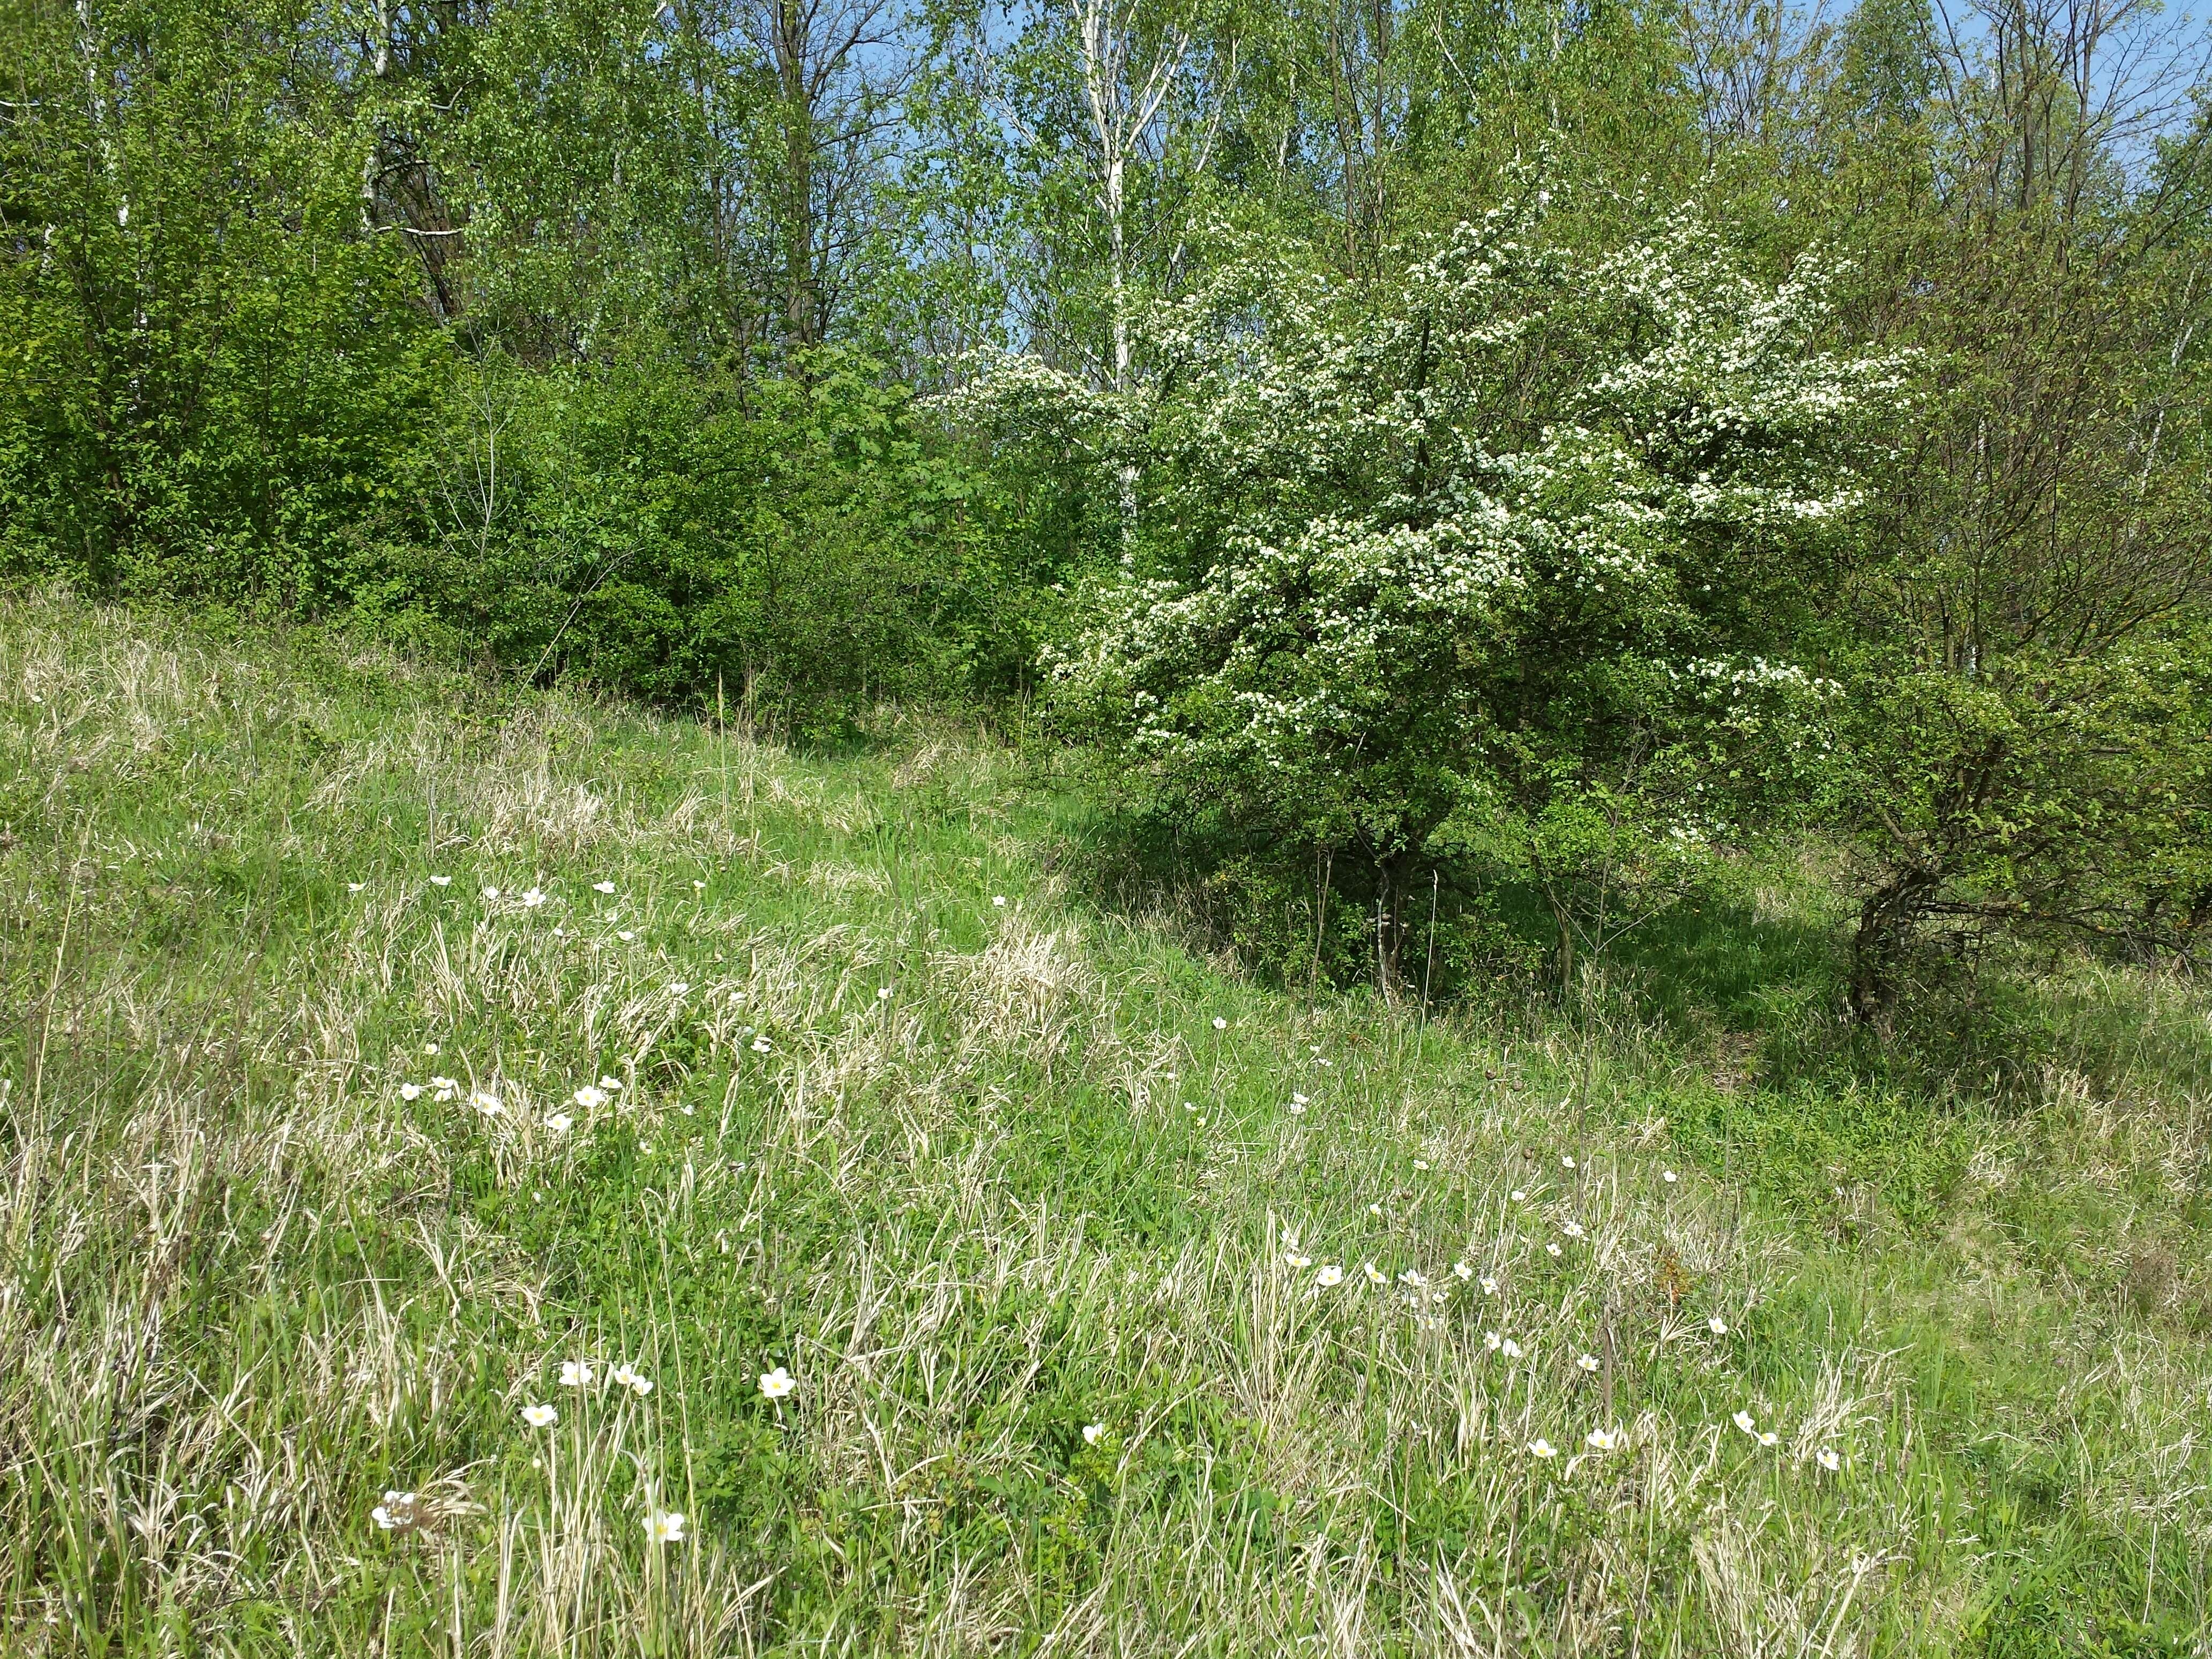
(1363,543)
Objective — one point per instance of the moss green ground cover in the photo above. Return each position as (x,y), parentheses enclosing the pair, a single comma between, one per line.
(747,1069)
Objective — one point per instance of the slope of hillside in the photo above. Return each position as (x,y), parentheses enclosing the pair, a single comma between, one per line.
(437,1123)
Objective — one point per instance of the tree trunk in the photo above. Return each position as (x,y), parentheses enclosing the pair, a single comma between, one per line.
(1886,921)
(801,310)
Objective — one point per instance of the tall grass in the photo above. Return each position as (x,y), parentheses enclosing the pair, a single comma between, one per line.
(1032,1203)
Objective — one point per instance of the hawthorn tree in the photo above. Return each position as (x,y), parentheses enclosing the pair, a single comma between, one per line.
(1527,540)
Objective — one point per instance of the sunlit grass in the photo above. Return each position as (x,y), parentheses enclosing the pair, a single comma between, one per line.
(499,1173)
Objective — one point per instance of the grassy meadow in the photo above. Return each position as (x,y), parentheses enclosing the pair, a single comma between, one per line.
(375,1041)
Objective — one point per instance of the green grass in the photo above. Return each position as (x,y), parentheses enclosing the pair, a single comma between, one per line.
(248,1286)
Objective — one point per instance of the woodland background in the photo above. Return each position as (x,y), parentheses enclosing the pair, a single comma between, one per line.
(787,360)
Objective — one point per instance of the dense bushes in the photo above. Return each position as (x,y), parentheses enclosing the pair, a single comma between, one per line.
(264,352)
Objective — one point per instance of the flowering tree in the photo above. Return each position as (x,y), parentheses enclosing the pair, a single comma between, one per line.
(1520,554)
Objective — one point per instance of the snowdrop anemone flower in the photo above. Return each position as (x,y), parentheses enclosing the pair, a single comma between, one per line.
(447,1088)
(1411,1278)
(761,1045)
(1220,1024)
(882,994)
(1374,1275)
(998,901)
(1463,1270)
(1093,1433)
(1768,1437)
(1375,1209)
(612,1084)
(1297,1106)
(490,894)
(626,936)
(665,1526)
(1587,1361)
(591,1098)
(640,1384)
(1301,1262)
(1567,1163)
(1542,1448)
(559,1122)
(1421,1164)
(1519,1196)
(602,887)
(1493,1341)
(1510,1348)
(1489,1286)
(623,1375)
(778,1383)
(1745,1421)
(1601,1440)
(1668,1176)
(1330,1275)
(540,1417)
(485,1101)
(680,988)
(1717,1326)
(411,1091)
(1551,1249)
(532,899)
(441,881)
(430,1048)
(396,1513)
(356,886)
(1829,1459)
(577,1374)
(1572,1229)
